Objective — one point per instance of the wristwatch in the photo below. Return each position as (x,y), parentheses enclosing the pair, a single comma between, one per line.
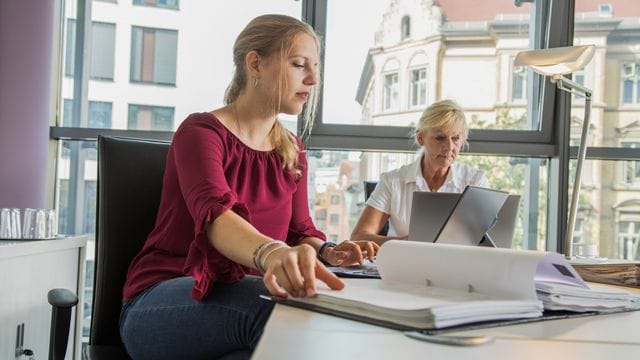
(323,248)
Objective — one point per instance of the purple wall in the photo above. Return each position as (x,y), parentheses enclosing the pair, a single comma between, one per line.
(25,97)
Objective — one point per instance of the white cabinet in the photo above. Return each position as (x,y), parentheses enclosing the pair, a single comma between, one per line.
(28,270)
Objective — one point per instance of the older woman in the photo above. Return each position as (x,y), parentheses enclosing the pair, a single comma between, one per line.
(441,132)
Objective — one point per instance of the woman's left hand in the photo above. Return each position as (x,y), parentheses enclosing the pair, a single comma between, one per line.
(349,253)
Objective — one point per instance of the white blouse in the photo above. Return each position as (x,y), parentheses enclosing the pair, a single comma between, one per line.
(394,193)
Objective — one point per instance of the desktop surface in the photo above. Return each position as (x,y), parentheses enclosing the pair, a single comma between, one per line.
(293,333)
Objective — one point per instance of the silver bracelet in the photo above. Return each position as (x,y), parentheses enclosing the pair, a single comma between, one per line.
(258,252)
(267,253)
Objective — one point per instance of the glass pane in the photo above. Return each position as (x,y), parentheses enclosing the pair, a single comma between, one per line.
(201,66)
(76,194)
(103,50)
(336,187)
(612,74)
(608,212)
(398,37)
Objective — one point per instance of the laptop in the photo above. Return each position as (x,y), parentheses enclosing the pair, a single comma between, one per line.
(431,212)
(501,234)
(458,218)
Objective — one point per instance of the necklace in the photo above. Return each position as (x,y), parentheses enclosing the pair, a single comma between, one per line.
(235,115)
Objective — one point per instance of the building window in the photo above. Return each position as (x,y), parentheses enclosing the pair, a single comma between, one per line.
(99,114)
(631,83)
(406,27)
(631,169)
(578,230)
(418,88)
(334,219)
(142,117)
(390,92)
(103,49)
(519,84)
(169,4)
(628,239)
(153,55)
(69,51)
(335,200)
(578,77)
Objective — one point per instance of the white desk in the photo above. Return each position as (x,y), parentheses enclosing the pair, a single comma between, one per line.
(293,333)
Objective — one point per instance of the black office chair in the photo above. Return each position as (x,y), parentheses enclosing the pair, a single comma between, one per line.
(369,186)
(130,175)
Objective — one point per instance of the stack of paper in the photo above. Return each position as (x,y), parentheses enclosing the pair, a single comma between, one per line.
(556,296)
(434,286)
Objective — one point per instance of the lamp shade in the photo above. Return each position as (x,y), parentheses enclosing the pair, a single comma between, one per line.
(556,61)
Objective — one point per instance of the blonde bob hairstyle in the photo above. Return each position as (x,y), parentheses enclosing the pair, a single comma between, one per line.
(445,115)
(273,35)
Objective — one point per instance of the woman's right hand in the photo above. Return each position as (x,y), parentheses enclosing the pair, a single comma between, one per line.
(293,271)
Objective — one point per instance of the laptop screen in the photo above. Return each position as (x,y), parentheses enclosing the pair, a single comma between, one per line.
(454,218)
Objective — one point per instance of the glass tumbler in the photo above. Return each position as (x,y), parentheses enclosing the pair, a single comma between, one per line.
(5,223)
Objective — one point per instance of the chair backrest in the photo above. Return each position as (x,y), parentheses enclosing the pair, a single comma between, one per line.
(369,186)
(130,173)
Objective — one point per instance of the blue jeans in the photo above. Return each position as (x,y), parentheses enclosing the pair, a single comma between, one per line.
(164,322)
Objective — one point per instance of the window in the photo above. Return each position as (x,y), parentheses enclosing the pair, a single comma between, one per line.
(628,239)
(143,117)
(519,84)
(418,88)
(390,92)
(335,200)
(578,77)
(631,83)
(153,55)
(578,233)
(69,52)
(99,114)
(631,169)
(169,4)
(605,9)
(477,74)
(102,49)
(334,219)
(406,27)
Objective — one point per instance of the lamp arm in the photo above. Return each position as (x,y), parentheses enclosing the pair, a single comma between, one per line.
(573,87)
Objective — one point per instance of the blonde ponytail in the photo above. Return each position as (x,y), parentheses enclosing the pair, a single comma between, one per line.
(286,145)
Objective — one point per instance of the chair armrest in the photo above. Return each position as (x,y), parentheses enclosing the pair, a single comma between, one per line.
(62,302)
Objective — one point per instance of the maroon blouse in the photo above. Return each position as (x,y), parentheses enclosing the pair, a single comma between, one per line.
(209,170)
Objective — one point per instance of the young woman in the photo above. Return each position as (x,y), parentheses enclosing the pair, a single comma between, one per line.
(233,221)
(441,132)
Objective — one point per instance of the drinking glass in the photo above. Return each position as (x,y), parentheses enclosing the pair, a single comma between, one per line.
(50,223)
(29,224)
(5,223)
(16,229)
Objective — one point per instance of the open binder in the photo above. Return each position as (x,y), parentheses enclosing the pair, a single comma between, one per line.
(440,287)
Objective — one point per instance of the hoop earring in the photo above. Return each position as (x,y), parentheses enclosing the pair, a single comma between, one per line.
(255,81)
